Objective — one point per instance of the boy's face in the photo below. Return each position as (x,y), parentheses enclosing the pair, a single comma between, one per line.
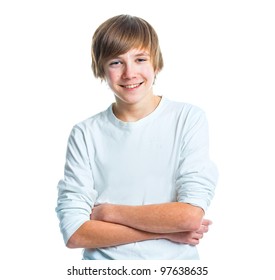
(130,76)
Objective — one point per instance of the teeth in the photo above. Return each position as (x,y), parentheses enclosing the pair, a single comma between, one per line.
(132,86)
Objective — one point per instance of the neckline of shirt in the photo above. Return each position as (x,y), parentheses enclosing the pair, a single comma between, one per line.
(137,123)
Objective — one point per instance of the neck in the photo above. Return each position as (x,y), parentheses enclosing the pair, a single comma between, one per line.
(135,112)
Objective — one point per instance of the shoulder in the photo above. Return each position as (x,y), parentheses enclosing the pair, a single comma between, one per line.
(93,122)
(84,131)
(183,109)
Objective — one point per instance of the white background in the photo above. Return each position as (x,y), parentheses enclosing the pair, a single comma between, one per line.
(218,55)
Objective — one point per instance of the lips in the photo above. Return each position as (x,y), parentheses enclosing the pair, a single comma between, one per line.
(131,86)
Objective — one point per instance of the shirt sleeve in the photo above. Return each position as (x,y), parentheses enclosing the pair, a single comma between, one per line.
(76,193)
(197,175)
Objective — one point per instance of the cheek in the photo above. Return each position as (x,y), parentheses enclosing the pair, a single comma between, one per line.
(113,75)
(148,70)
(149,74)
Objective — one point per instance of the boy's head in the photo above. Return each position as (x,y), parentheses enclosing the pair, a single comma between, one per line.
(120,34)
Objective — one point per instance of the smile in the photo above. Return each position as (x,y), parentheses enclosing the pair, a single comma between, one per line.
(132,85)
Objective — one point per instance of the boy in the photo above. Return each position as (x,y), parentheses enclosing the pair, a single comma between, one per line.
(138,178)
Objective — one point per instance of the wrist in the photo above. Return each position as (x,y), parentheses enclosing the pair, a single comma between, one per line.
(102,212)
(107,212)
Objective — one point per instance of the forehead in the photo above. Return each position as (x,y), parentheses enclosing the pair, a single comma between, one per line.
(134,52)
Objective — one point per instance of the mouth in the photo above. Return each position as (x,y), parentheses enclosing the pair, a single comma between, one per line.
(132,86)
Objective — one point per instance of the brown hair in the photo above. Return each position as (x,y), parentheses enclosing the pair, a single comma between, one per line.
(118,35)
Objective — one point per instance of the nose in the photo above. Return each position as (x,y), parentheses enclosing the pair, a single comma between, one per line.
(129,71)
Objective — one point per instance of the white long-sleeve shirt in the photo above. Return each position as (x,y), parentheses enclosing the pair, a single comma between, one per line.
(158,159)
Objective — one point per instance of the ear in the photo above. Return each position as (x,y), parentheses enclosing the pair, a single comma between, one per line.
(157,71)
(155,78)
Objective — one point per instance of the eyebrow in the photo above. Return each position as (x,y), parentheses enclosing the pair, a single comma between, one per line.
(142,54)
(136,55)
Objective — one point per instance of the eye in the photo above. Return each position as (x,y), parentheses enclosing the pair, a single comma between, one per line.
(115,63)
(141,59)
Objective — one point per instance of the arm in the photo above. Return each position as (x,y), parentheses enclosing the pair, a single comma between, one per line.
(97,234)
(76,197)
(158,218)
(195,183)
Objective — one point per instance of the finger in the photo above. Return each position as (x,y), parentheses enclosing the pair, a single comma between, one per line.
(207,222)
(194,241)
(196,235)
(203,229)
(199,236)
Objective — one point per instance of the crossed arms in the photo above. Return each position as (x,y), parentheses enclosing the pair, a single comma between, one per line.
(113,225)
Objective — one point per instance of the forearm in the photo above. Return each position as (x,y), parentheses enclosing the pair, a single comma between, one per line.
(156,218)
(98,234)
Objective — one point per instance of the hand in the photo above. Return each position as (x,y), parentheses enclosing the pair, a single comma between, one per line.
(190,237)
(101,212)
